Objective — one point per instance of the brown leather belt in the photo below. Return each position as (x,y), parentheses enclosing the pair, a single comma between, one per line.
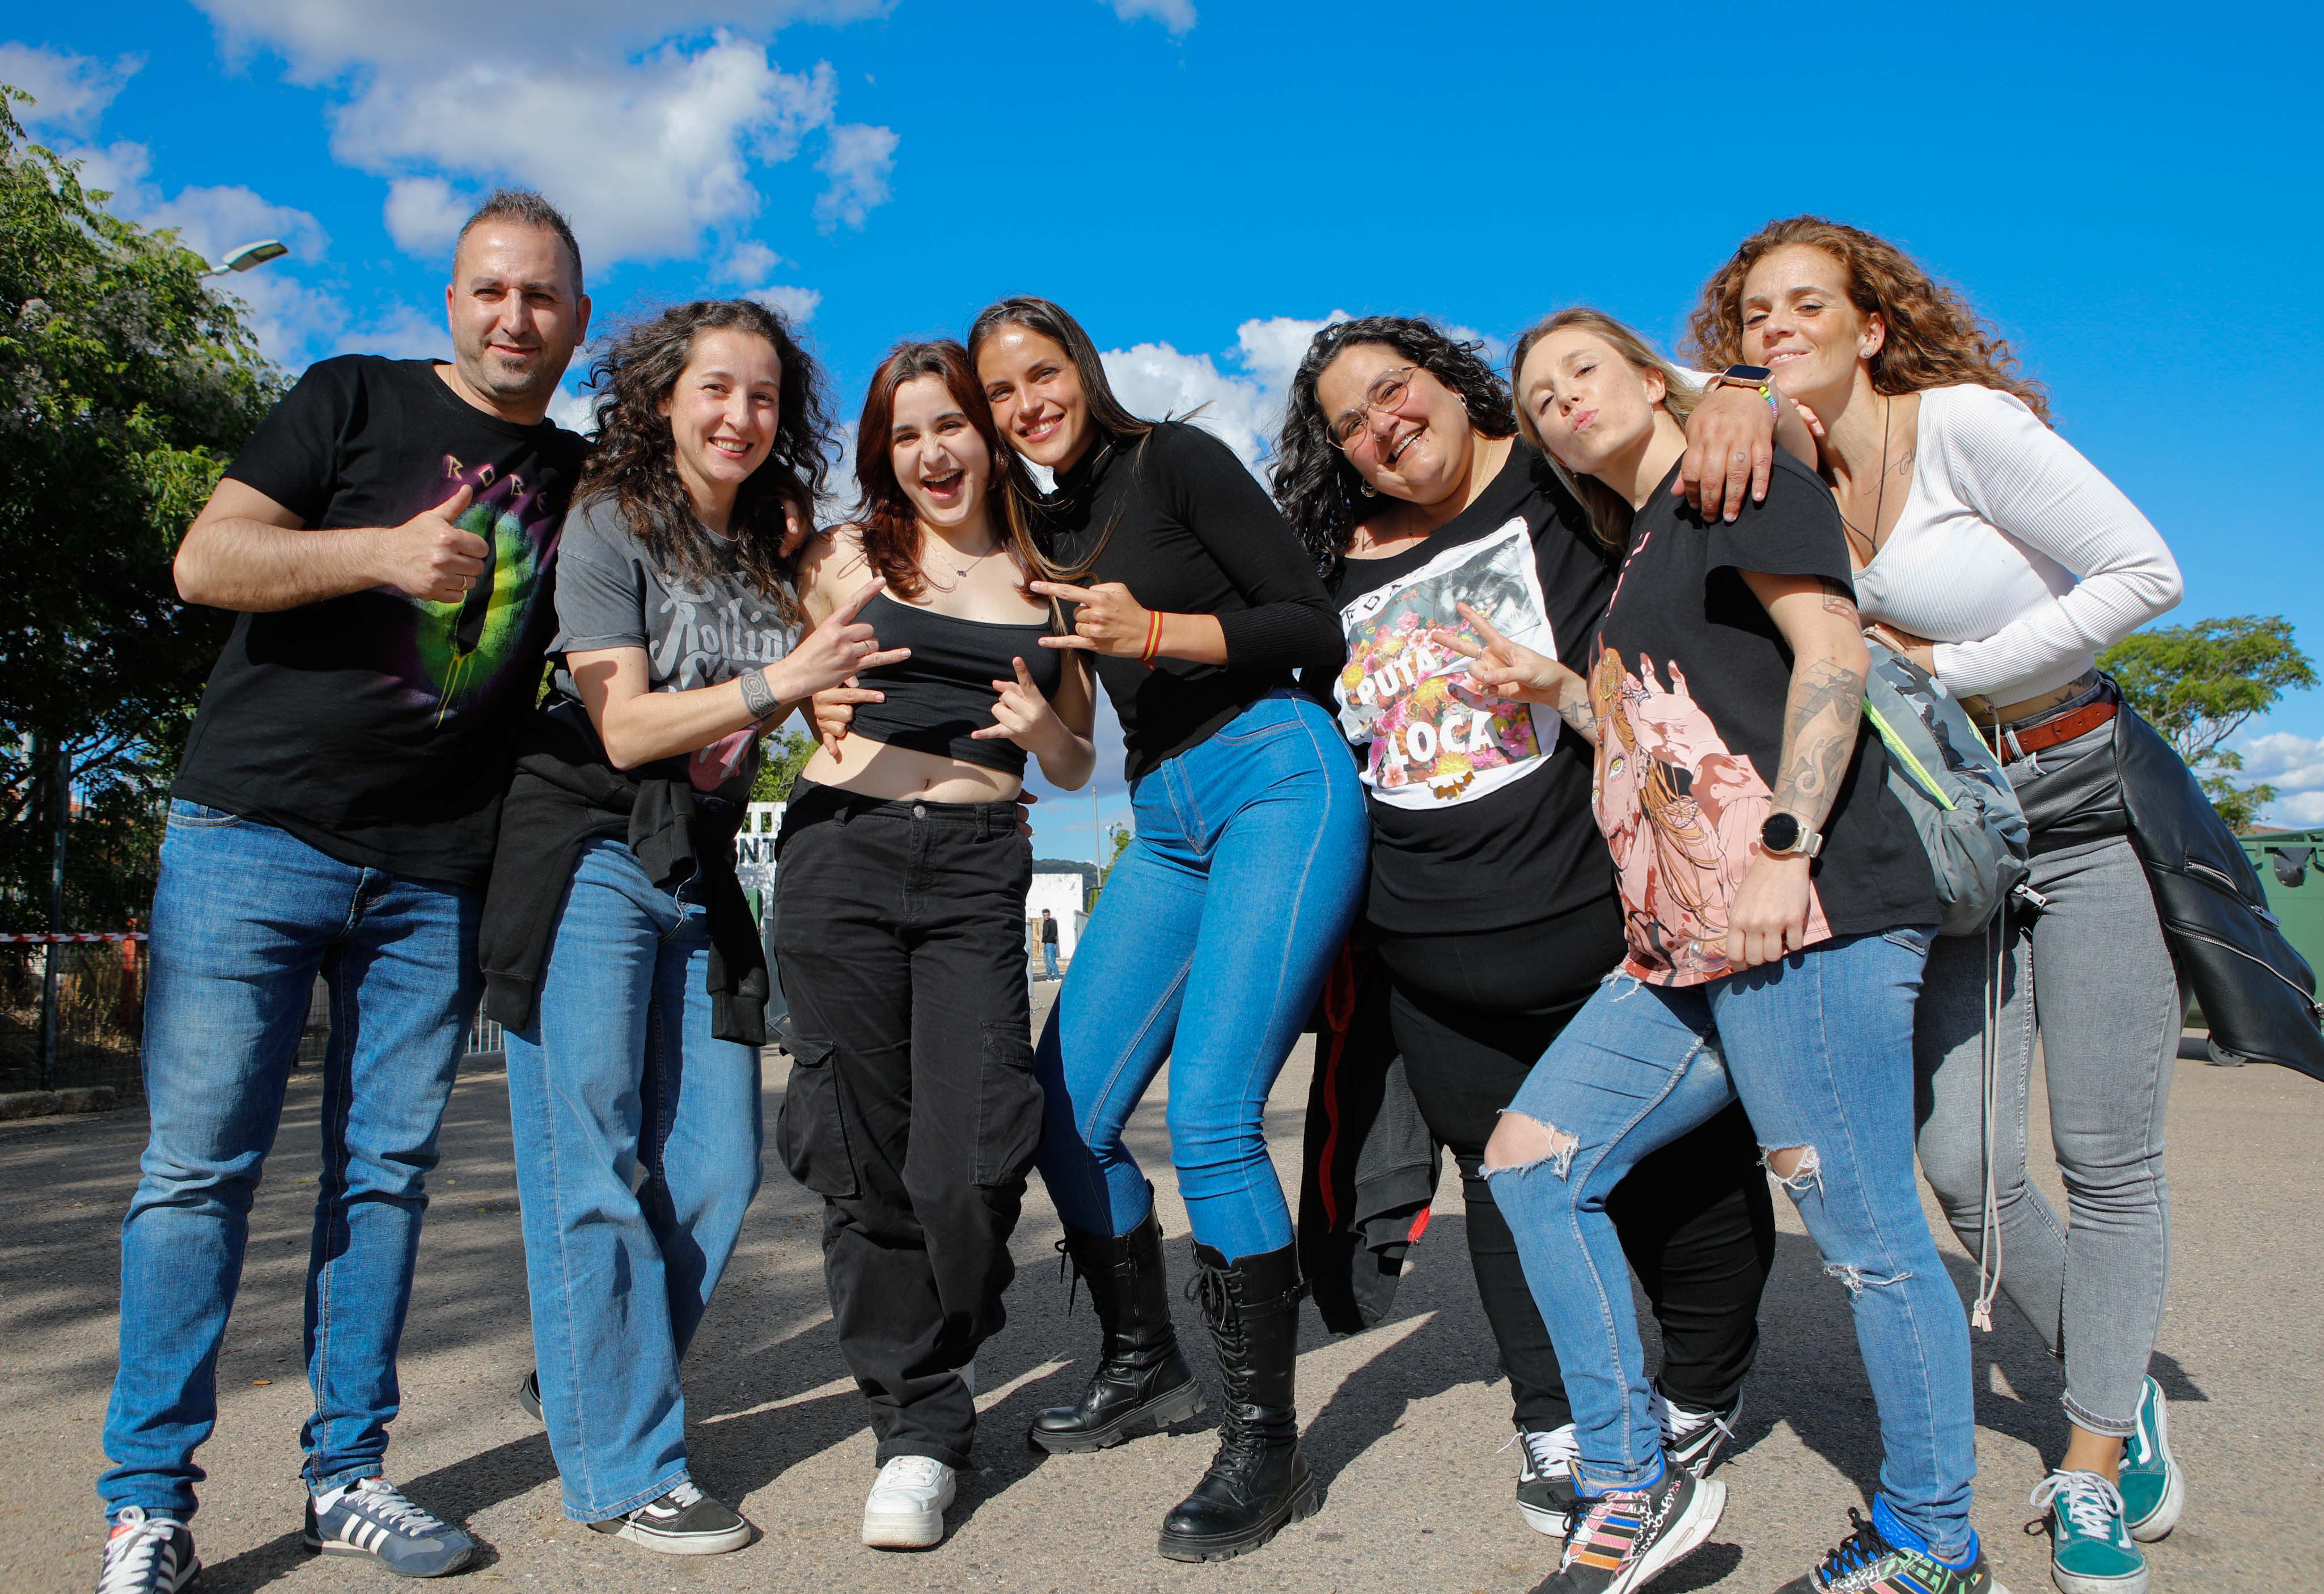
(2074,721)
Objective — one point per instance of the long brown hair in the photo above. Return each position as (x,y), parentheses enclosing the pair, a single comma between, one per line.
(1114,422)
(635,461)
(1610,513)
(883,512)
(1935,337)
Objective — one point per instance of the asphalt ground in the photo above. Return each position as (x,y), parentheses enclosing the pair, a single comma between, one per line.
(1405,1423)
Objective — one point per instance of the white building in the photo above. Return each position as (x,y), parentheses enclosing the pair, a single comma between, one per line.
(1062,894)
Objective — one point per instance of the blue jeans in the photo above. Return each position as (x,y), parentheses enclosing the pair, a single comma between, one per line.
(637,1154)
(245,917)
(1820,1048)
(1248,868)
(1049,959)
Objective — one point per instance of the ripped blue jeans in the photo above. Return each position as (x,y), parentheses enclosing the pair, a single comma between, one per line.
(1820,1048)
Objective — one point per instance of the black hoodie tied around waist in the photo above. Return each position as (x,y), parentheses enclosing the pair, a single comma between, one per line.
(567,793)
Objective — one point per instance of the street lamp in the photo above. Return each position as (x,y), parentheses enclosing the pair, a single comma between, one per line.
(249,256)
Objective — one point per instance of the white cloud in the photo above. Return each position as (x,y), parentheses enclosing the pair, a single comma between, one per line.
(857,160)
(575,412)
(795,305)
(747,261)
(69,92)
(646,125)
(424,214)
(1245,410)
(1176,15)
(2294,766)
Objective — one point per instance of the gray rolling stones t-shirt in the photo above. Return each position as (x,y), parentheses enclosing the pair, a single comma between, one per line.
(695,633)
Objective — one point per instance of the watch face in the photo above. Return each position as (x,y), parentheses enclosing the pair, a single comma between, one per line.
(1750,373)
(1781,832)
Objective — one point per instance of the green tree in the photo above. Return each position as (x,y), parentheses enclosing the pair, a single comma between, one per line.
(128,384)
(2200,684)
(1121,836)
(784,755)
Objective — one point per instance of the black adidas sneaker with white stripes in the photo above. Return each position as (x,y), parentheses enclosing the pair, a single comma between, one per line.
(148,1555)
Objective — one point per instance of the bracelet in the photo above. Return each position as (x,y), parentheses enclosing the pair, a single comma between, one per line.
(1768,391)
(1153,638)
(757,696)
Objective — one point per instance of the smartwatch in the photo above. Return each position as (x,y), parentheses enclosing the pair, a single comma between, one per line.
(1759,378)
(1784,836)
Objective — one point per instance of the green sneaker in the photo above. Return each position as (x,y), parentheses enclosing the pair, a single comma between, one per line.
(2153,1488)
(2090,1552)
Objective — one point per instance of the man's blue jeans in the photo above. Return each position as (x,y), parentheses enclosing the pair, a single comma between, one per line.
(245,918)
(1049,959)
(637,1154)
(1208,947)
(1819,1047)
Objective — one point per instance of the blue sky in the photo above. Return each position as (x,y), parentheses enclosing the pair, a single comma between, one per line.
(2130,193)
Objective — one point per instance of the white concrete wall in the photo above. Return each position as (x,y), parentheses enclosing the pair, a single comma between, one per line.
(1061,894)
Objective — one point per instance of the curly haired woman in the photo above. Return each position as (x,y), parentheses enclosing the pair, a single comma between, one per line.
(2002,561)
(616,942)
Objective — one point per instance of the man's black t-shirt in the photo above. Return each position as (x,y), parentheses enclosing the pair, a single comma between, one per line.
(1689,685)
(1176,518)
(376,727)
(1480,807)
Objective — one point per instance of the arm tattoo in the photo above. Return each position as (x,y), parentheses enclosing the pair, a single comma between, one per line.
(1839,599)
(1820,723)
(757,696)
(1573,708)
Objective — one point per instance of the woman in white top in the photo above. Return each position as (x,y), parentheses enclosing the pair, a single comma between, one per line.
(2000,559)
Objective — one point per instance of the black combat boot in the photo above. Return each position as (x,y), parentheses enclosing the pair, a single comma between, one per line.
(1259,1480)
(1142,1383)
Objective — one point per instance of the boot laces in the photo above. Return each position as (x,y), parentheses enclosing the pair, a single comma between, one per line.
(1065,1264)
(1210,1290)
(2092,1503)
(129,1556)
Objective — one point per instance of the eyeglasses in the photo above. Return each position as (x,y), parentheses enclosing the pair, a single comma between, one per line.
(1386,392)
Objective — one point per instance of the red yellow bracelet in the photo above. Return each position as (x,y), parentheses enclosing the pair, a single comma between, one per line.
(1153,638)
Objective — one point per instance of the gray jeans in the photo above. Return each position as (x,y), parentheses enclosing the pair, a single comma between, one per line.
(2092,974)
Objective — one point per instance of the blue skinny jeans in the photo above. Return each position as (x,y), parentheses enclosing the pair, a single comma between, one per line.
(1820,1048)
(1208,948)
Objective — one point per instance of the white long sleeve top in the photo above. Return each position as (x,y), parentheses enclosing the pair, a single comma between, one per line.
(2014,555)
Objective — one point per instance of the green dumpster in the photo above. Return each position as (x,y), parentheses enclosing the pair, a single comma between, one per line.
(2291,864)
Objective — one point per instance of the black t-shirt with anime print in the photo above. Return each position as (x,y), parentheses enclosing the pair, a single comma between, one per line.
(376,727)
(1480,807)
(1689,681)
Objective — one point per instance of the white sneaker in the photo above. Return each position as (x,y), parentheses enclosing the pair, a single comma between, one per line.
(905,1509)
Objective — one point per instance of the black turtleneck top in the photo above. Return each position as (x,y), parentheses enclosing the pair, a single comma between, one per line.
(1176,518)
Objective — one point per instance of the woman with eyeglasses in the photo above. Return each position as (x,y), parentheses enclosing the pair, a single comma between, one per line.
(1997,557)
(1217,924)
(1491,907)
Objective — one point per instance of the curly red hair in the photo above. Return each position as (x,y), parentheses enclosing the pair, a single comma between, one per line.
(1935,339)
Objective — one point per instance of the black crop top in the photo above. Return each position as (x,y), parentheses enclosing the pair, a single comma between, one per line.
(944,690)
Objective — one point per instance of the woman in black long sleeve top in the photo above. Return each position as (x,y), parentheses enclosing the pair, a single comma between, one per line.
(1217,924)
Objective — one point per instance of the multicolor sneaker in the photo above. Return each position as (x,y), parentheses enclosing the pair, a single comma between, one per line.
(2090,1552)
(1869,1562)
(372,1518)
(2153,1488)
(1625,1540)
(683,1522)
(148,1555)
(1693,1438)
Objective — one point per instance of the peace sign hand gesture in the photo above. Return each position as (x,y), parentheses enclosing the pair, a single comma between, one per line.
(1513,670)
(1022,715)
(1106,619)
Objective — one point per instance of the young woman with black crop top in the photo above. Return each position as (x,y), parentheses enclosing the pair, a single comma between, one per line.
(1216,927)
(899,934)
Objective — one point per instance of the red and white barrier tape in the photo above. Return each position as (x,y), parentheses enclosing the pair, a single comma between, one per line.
(88,936)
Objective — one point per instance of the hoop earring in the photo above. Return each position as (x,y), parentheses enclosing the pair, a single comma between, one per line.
(1368,490)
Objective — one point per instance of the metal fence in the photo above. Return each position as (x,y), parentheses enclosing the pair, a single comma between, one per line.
(99,997)
(71,1012)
